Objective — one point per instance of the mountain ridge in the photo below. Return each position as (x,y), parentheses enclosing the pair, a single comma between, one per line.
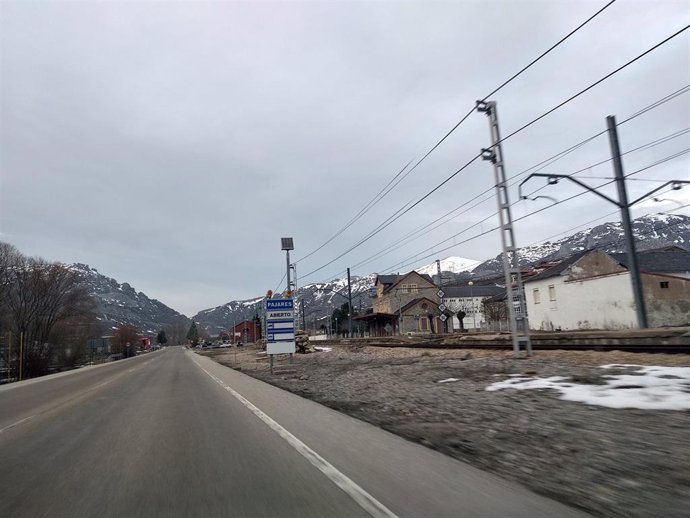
(320,298)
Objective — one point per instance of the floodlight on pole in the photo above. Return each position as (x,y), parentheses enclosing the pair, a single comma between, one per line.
(287,245)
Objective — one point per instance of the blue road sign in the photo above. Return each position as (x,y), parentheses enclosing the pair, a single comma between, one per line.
(278,304)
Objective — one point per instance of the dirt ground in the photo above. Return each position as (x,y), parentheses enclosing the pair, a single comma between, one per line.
(610,462)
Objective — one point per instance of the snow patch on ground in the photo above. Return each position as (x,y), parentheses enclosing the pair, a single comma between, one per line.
(449,380)
(324,349)
(646,388)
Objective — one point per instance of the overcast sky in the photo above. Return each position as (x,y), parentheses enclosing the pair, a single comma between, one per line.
(171,144)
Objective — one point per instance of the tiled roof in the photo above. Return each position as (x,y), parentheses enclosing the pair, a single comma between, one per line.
(653,261)
(658,261)
(559,268)
(391,280)
(387,279)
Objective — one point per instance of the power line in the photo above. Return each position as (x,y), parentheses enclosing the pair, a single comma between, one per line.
(280,282)
(399,213)
(394,217)
(561,154)
(584,90)
(537,167)
(409,237)
(551,48)
(637,235)
(357,216)
(383,192)
(643,147)
(568,231)
(409,261)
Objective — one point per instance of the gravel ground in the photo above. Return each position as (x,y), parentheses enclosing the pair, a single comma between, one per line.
(613,463)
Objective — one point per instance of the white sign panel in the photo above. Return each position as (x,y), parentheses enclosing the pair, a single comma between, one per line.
(280,347)
(280,326)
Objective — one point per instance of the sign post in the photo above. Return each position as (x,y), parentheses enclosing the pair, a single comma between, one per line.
(280,327)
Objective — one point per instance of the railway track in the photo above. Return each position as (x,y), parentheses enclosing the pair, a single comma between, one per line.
(536,346)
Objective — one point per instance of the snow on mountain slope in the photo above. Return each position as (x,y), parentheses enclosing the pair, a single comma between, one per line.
(450,264)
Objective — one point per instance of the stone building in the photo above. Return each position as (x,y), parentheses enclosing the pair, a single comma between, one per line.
(404,304)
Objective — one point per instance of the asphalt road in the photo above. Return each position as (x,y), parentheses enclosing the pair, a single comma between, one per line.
(173,434)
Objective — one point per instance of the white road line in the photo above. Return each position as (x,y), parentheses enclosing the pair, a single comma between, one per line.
(359,495)
(17,423)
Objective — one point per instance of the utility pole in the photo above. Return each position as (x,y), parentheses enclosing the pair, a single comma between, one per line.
(624,205)
(634,267)
(517,307)
(304,317)
(349,305)
(441,306)
(287,258)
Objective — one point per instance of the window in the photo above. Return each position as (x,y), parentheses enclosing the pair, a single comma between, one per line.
(552,293)
(663,284)
(536,295)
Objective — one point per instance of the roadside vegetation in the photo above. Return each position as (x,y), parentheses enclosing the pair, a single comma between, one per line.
(46,316)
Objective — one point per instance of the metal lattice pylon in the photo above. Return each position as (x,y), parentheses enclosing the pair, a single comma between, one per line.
(517,307)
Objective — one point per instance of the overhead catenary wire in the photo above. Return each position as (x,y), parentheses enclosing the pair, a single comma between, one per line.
(607,215)
(585,90)
(399,213)
(562,154)
(414,259)
(535,168)
(643,147)
(409,237)
(620,239)
(397,178)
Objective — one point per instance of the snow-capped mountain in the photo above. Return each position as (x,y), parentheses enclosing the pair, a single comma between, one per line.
(322,298)
(120,304)
(652,231)
(452,264)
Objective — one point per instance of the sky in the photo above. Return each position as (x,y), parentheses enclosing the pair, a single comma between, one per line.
(171,145)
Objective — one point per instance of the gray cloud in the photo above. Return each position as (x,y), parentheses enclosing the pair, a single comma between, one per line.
(170,145)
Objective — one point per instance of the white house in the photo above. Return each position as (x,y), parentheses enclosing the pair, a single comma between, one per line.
(592,290)
(469,299)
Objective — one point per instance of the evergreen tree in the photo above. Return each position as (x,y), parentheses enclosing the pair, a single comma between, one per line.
(193,334)
(162,338)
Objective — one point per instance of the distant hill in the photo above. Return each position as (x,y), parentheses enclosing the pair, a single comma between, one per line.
(653,231)
(320,299)
(120,304)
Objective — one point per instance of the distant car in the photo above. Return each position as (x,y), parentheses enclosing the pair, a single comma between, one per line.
(224,345)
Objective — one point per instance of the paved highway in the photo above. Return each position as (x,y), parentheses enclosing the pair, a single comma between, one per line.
(174,434)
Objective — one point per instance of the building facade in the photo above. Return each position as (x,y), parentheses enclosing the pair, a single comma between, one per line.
(404,304)
(592,290)
(469,299)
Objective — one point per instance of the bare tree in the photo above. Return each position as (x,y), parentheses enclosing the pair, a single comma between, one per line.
(495,310)
(177,331)
(37,296)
